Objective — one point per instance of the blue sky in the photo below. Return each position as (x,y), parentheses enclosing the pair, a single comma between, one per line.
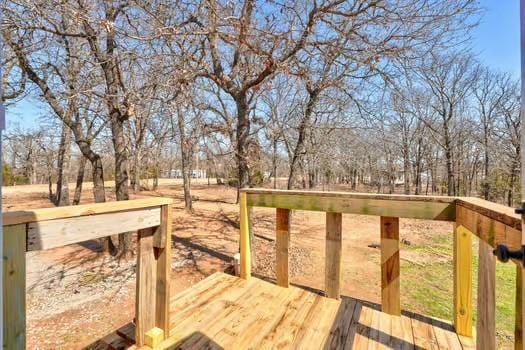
(496,40)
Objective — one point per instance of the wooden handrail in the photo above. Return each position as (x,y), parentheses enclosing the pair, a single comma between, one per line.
(415,207)
(492,223)
(41,214)
(54,227)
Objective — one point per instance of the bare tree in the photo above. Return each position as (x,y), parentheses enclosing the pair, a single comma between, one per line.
(490,89)
(450,80)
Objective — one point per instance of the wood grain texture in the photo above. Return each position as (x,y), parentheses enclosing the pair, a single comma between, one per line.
(282,237)
(462,270)
(489,230)
(145,306)
(334,245)
(14,287)
(56,233)
(226,312)
(354,195)
(491,210)
(162,252)
(355,203)
(244,240)
(19,217)
(486,318)
(390,266)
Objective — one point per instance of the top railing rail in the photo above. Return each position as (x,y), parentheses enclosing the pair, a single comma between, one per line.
(42,214)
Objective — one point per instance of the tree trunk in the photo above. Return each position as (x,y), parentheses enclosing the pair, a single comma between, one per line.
(99,192)
(135,172)
(304,127)
(406,167)
(486,183)
(186,156)
(243,132)
(274,162)
(64,157)
(125,248)
(80,180)
(448,160)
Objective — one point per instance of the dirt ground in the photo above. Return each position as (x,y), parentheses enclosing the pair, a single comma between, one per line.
(76,294)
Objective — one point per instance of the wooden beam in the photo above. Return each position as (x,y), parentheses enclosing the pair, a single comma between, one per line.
(390,267)
(333,255)
(244,240)
(56,233)
(145,307)
(282,237)
(489,230)
(491,210)
(462,266)
(486,318)
(20,217)
(417,207)
(14,287)
(162,249)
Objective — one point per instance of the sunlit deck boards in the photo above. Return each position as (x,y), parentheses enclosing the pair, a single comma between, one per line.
(226,312)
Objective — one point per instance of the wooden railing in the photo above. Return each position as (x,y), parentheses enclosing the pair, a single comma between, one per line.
(493,224)
(54,227)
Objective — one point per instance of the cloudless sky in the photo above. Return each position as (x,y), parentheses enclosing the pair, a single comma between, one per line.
(495,40)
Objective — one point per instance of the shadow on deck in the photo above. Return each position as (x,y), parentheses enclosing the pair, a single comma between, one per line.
(226,312)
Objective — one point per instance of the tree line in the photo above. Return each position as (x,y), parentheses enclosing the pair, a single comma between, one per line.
(384,96)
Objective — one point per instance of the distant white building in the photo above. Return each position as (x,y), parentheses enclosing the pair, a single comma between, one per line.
(195,174)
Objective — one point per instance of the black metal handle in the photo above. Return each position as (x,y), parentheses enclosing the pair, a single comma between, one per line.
(504,254)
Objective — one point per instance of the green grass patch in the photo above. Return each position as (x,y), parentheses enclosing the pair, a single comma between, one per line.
(427,288)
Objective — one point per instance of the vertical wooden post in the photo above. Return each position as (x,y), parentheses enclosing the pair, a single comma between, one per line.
(163,259)
(14,287)
(390,298)
(333,255)
(282,237)
(146,280)
(244,240)
(518,326)
(462,266)
(486,320)
(153,277)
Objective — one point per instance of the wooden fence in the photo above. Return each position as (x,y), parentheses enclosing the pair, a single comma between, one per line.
(493,224)
(54,227)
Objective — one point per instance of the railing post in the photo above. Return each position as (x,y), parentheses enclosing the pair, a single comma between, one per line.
(390,298)
(14,287)
(162,249)
(462,265)
(244,239)
(486,318)
(333,255)
(519,311)
(153,277)
(282,237)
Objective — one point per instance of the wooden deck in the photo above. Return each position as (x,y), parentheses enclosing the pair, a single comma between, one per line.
(226,312)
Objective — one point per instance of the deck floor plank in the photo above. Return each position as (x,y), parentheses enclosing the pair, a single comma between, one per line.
(424,336)
(339,331)
(226,312)
(286,329)
(363,331)
(317,325)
